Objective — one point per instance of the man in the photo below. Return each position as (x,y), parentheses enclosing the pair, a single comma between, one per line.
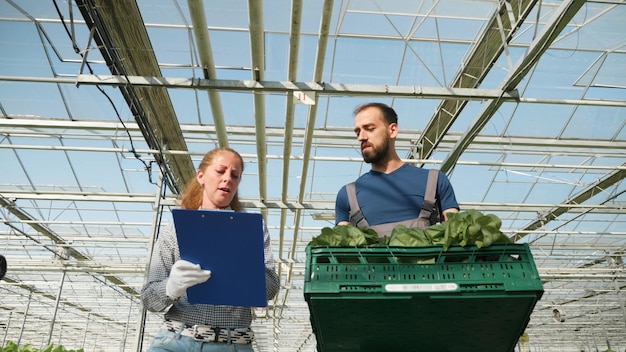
(392,192)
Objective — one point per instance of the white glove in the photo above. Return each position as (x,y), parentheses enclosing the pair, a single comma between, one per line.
(183,275)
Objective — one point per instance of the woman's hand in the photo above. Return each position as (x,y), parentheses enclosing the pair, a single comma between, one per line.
(183,275)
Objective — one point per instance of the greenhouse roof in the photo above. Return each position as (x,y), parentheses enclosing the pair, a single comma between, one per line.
(107,107)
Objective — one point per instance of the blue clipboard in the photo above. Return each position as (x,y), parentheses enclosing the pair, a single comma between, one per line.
(230,244)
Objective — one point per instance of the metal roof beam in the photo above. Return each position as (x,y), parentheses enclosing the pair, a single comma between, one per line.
(257,52)
(124,43)
(498,32)
(9,204)
(294,205)
(292,69)
(335,136)
(334,144)
(320,89)
(201,33)
(598,187)
(320,57)
(553,28)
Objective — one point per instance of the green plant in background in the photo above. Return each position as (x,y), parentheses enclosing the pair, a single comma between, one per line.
(465,228)
(13,347)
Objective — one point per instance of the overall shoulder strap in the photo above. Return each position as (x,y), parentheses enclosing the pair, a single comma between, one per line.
(356,216)
(429,207)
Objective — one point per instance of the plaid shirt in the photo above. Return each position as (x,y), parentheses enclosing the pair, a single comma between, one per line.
(153,295)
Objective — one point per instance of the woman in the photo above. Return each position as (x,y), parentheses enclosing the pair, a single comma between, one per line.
(201,327)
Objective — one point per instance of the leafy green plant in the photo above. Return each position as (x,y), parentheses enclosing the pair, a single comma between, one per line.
(13,347)
(346,236)
(465,228)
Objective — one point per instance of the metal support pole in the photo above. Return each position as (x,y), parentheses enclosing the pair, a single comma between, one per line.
(19,339)
(86,329)
(130,310)
(56,307)
(6,330)
(60,341)
(156,223)
(95,342)
(618,292)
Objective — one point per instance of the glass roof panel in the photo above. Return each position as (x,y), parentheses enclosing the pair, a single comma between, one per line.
(603,124)
(176,48)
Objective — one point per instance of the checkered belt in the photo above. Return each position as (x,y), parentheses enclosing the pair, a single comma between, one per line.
(208,333)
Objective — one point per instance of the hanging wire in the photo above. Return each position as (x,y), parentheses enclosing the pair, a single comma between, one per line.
(147,164)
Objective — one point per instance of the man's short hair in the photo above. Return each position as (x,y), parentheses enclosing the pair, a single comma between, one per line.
(388,113)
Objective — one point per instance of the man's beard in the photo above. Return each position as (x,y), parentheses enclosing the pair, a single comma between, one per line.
(376,155)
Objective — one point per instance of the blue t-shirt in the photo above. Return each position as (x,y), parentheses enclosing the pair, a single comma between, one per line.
(395,196)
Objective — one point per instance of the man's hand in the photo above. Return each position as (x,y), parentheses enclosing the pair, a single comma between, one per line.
(183,275)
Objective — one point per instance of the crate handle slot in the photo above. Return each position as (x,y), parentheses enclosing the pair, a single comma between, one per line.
(393,257)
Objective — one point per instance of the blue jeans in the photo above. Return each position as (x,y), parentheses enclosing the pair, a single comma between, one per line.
(167,341)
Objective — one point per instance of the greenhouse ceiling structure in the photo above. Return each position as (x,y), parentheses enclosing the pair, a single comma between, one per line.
(107,106)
